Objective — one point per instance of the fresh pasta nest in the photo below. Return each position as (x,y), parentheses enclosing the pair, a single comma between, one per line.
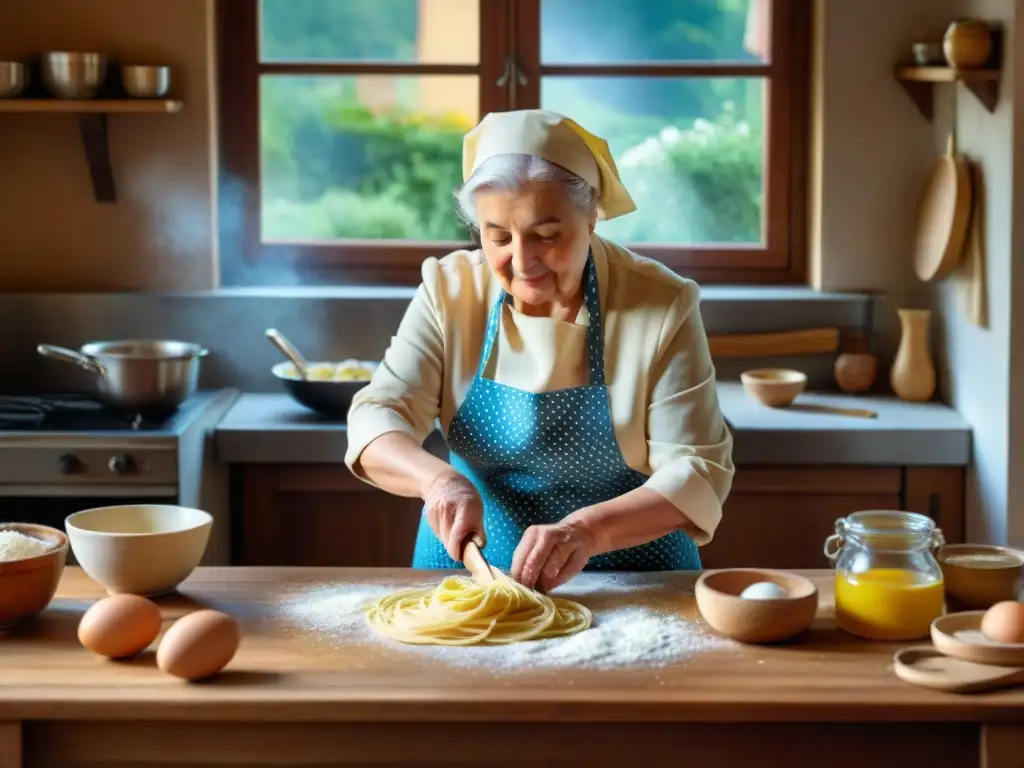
(459,611)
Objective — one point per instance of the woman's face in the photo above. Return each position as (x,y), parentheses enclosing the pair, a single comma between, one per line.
(536,241)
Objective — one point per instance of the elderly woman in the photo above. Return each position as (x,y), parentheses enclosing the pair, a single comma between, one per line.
(571,377)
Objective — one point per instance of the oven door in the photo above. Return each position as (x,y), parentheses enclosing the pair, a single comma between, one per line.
(52,510)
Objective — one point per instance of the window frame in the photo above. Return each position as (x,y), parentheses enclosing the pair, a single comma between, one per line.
(510,31)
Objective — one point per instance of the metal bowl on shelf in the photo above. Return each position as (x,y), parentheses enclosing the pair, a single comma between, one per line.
(13,79)
(141,81)
(70,75)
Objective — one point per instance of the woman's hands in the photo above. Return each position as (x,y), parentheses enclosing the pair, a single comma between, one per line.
(550,555)
(454,511)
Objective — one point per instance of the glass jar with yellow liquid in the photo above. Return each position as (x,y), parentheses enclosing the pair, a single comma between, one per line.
(888,582)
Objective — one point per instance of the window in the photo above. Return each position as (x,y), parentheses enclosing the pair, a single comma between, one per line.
(342,124)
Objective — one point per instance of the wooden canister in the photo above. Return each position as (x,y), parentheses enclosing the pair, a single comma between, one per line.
(967,44)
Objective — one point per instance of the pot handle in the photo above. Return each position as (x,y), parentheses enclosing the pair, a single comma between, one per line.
(70,356)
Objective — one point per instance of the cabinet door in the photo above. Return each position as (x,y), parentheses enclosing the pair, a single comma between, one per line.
(320,515)
(779,517)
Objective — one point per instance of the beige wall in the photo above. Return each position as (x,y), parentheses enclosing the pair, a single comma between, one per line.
(872,150)
(981,364)
(160,234)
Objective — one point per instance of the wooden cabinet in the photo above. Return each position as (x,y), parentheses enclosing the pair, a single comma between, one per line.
(778,517)
(320,515)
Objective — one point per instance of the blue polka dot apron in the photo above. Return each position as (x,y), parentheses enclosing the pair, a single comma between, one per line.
(537,457)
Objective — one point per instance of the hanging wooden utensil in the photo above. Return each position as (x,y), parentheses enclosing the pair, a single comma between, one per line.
(972,270)
(943,217)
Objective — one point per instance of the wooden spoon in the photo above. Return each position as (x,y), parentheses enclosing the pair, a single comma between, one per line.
(926,667)
(475,561)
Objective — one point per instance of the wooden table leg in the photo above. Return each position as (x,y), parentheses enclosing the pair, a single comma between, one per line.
(10,745)
(1002,746)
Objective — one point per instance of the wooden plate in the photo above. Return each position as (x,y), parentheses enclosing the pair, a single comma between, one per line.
(959,635)
(926,667)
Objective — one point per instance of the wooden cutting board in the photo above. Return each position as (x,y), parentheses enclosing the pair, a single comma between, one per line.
(812,341)
(943,216)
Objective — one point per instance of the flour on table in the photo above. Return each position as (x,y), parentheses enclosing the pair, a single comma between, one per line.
(632,627)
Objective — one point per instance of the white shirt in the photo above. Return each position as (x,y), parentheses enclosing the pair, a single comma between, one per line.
(658,370)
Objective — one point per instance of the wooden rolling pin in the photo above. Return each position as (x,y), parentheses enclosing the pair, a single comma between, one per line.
(813,341)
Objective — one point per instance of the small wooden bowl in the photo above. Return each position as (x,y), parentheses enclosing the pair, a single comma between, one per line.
(977,576)
(27,586)
(756,621)
(774,387)
(959,635)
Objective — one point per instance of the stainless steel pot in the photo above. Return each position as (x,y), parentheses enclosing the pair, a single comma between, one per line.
(145,376)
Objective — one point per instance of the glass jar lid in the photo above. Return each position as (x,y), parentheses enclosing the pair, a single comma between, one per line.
(885,530)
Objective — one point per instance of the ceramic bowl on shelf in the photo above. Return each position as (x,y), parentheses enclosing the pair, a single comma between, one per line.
(28,585)
(928,54)
(73,75)
(142,549)
(750,620)
(774,387)
(977,576)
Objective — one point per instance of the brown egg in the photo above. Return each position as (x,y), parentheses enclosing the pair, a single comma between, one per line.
(120,626)
(198,645)
(1004,622)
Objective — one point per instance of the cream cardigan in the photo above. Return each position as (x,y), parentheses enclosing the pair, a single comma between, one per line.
(660,377)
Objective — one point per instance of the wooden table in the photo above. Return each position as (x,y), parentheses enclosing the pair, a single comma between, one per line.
(287,699)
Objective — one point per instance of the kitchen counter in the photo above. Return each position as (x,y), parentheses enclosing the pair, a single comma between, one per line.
(272,428)
(300,692)
(916,434)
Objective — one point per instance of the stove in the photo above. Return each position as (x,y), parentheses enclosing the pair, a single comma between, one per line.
(61,453)
(68,413)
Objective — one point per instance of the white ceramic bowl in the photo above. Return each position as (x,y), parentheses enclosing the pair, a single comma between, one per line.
(144,549)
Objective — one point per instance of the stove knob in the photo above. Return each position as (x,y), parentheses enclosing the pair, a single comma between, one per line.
(121,464)
(68,464)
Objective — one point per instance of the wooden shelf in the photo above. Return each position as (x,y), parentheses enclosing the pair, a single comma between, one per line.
(92,125)
(920,82)
(91,107)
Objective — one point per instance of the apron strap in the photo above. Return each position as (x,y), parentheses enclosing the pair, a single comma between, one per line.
(595,344)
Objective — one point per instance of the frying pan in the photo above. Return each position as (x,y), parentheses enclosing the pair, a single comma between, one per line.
(325,396)
(943,217)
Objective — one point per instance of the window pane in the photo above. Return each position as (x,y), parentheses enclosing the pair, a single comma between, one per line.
(690,151)
(368,156)
(611,31)
(425,31)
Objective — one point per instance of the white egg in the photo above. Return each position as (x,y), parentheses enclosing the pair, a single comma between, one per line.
(764,590)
